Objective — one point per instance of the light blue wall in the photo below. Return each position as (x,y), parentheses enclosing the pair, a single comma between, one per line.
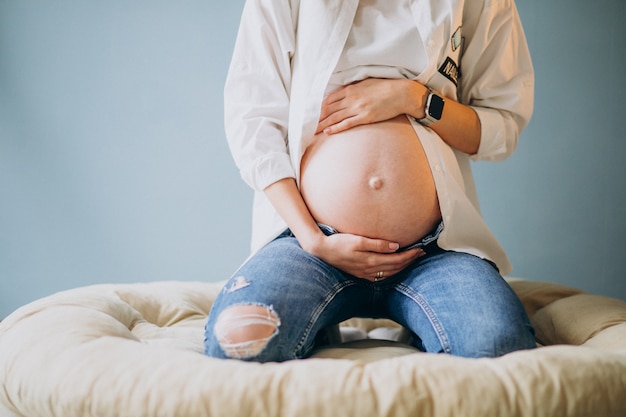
(113,162)
(114,166)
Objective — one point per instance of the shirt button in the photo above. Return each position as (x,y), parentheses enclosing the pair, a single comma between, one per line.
(437,168)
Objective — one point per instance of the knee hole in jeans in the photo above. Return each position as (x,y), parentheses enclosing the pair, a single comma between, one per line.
(243,331)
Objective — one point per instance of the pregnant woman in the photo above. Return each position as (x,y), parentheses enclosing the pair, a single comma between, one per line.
(355,121)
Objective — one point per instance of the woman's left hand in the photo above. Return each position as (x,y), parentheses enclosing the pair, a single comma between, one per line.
(369,101)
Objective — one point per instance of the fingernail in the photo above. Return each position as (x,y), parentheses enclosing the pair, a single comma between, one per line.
(394,246)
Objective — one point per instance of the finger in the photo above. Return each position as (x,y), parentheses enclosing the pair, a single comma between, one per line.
(332,101)
(330,120)
(378,245)
(328,109)
(403,260)
(337,94)
(342,126)
(391,263)
(335,123)
(332,115)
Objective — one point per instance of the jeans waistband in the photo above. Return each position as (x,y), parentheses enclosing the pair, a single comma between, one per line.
(431,237)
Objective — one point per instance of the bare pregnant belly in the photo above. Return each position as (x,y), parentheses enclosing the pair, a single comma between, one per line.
(372,180)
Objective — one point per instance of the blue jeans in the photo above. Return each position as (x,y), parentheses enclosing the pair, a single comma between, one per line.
(280,301)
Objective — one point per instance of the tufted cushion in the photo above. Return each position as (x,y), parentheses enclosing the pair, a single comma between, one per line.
(134,350)
(576,319)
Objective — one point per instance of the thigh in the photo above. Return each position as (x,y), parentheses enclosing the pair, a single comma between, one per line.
(459,304)
(305,293)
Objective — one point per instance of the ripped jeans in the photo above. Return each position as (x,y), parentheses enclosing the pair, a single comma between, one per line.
(279,302)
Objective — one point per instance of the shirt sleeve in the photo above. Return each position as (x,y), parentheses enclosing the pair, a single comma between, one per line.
(497,76)
(256,93)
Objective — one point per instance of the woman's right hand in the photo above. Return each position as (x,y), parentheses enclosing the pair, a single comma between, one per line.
(356,255)
(362,257)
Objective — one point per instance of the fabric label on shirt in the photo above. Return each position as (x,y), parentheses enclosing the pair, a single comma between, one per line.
(450,70)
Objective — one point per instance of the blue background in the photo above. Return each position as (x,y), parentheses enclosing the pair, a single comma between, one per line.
(114,166)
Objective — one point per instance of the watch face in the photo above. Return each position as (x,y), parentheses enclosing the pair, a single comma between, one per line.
(435,107)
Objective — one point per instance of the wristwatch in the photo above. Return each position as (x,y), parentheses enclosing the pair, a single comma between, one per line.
(433,108)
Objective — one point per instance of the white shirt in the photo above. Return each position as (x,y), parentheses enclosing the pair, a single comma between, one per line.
(279,75)
(381,34)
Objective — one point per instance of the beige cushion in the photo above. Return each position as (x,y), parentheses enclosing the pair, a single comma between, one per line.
(576,319)
(135,350)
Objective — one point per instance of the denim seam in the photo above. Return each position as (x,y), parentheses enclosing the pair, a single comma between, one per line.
(430,313)
(318,312)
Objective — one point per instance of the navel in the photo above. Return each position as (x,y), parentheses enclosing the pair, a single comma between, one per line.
(376,183)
